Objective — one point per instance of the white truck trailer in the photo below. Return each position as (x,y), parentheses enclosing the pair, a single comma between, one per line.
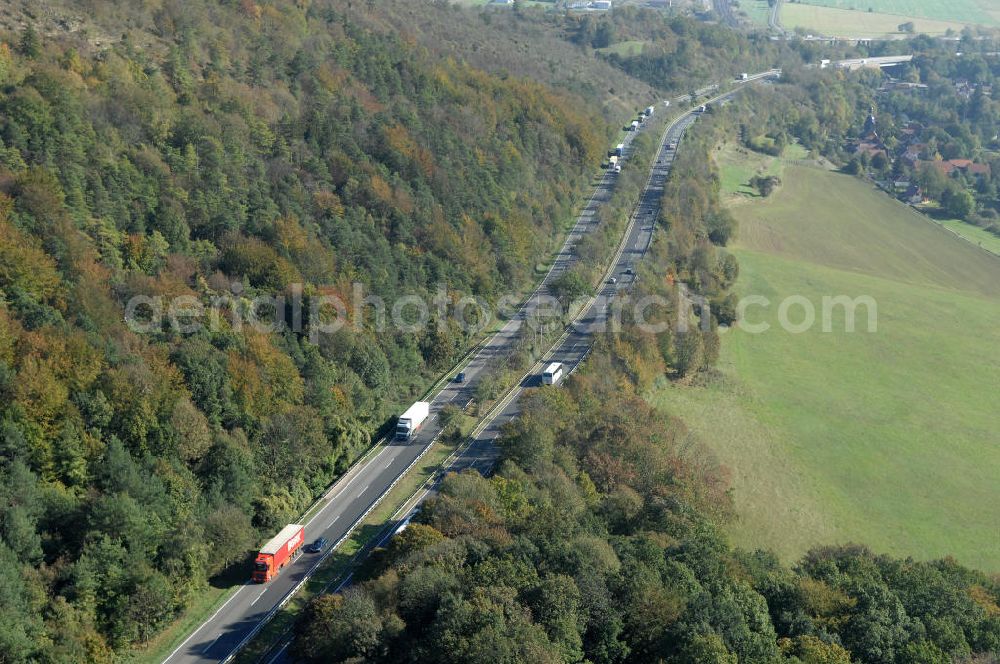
(410,421)
(552,374)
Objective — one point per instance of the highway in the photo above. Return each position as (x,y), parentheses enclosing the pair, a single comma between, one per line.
(881,62)
(350,499)
(355,494)
(571,349)
(575,343)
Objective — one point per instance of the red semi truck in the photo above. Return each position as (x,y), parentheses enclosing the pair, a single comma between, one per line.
(278,552)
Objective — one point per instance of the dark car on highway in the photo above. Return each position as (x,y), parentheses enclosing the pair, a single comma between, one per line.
(318,545)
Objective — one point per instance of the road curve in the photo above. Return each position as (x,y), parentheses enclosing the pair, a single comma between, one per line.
(774,18)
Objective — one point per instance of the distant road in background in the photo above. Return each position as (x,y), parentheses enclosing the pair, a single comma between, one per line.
(774,18)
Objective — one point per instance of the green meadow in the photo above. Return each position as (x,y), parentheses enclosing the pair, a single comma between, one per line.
(846,23)
(889,437)
(974,234)
(756,10)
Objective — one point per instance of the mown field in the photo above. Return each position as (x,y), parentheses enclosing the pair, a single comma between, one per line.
(888,438)
(626,49)
(858,23)
(981,12)
(974,234)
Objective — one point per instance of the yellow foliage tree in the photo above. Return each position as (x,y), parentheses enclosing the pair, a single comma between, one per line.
(23,263)
(263,379)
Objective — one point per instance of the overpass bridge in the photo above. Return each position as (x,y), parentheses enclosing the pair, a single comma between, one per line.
(872,63)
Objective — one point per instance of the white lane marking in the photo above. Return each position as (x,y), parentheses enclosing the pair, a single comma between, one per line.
(281,651)
(344,583)
(208,622)
(258,597)
(335,520)
(363,490)
(209,646)
(335,491)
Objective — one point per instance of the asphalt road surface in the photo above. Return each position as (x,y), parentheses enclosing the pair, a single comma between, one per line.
(351,498)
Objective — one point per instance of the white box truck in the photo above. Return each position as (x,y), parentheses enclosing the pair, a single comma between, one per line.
(410,421)
(649,111)
(635,125)
(620,150)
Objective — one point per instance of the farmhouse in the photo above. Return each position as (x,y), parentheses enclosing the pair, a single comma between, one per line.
(913,152)
(870,148)
(914,195)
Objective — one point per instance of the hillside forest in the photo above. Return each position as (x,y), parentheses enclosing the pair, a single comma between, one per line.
(247,149)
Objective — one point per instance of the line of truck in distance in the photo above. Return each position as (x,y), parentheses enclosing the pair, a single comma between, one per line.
(616,157)
(643,116)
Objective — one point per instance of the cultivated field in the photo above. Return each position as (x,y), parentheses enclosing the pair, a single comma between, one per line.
(848,23)
(757,10)
(888,438)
